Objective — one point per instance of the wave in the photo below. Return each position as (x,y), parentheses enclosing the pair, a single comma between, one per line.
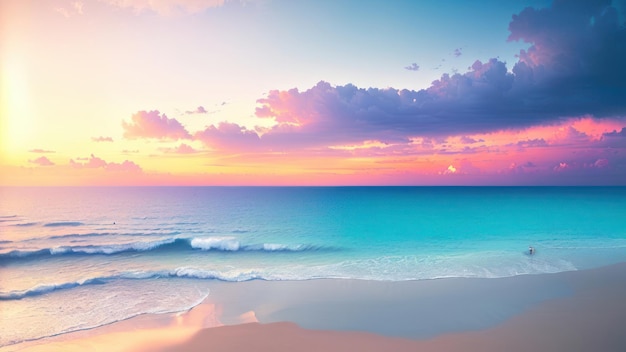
(182,272)
(63,223)
(47,288)
(26,224)
(8,218)
(221,244)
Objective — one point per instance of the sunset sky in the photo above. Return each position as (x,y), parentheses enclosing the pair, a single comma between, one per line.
(294,92)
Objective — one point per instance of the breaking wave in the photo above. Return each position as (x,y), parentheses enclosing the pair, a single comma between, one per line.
(222,244)
(182,272)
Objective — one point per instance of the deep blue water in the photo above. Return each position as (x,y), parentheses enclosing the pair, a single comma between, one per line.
(83,251)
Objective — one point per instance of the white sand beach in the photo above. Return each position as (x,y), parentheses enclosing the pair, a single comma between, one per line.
(569,311)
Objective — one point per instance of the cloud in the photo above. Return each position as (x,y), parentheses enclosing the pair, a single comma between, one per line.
(181,149)
(75,9)
(40,151)
(523,114)
(601,163)
(532,143)
(572,68)
(575,61)
(151,124)
(453,105)
(412,67)
(470,140)
(102,139)
(166,7)
(621,133)
(198,110)
(125,166)
(41,161)
(94,162)
(229,136)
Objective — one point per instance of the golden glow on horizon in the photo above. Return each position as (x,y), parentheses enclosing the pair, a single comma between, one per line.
(424,161)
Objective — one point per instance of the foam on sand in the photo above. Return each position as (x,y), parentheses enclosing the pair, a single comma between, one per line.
(571,311)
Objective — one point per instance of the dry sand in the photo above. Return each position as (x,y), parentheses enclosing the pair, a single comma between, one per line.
(573,311)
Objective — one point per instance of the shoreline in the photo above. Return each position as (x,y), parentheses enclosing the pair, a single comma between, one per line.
(576,310)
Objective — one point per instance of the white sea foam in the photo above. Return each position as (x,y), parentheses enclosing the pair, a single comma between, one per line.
(60,250)
(220,243)
(217,243)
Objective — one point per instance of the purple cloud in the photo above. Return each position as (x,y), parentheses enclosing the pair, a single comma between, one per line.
(41,161)
(458,52)
(575,61)
(470,140)
(198,110)
(152,124)
(573,67)
(229,136)
(621,133)
(533,143)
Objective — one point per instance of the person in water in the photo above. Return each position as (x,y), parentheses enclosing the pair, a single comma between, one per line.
(531,250)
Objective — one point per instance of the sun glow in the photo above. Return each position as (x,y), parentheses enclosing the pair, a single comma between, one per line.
(16,115)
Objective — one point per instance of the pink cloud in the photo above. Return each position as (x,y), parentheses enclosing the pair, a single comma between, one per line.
(229,136)
(181,149)
(94,162)
(40,151)
(41,161)
(154,125)
(125,166)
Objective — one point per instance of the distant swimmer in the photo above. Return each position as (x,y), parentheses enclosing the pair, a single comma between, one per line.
(531,250)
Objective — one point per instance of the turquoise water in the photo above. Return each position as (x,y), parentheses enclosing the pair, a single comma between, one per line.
(104,254)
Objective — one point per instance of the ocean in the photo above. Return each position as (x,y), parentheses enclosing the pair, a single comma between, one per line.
(79,258)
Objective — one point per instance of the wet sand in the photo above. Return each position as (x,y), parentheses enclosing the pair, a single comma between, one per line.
(573,311)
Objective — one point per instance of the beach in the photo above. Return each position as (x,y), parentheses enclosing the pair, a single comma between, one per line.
(568,311)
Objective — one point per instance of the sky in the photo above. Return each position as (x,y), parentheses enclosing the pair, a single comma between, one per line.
(294,92)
